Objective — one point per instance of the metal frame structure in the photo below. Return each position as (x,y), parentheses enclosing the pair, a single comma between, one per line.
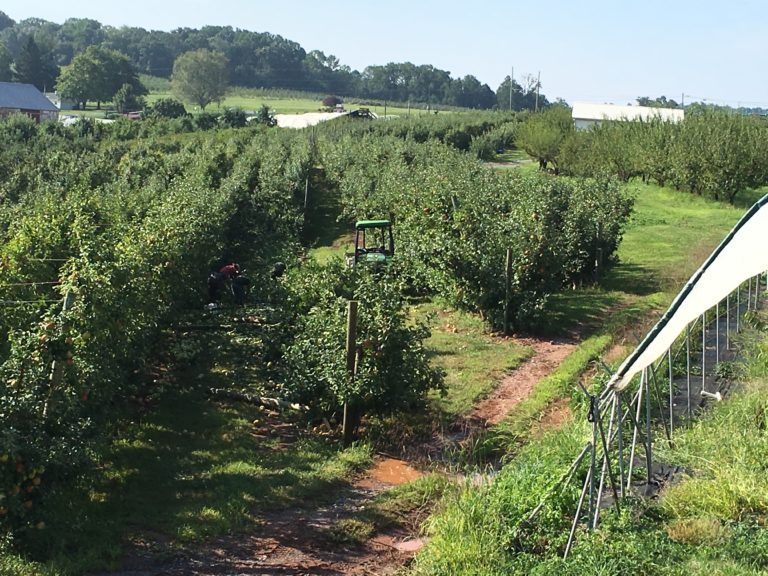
(640,411)
(652,395)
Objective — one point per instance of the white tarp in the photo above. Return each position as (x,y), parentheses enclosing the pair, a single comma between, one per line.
(742,255)
(299,121)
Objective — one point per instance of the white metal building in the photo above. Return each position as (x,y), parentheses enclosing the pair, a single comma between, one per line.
(586,114)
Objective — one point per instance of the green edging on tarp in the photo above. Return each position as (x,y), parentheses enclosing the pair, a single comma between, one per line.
(686,290)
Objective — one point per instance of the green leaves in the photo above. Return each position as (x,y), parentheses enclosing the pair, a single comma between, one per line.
(200,77)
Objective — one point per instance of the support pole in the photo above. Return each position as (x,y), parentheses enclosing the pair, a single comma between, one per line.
(508,290)
(717,334)
(728,322)
(57,365)
(593,458)
(575,523)
(648,455)
(671,395)
(350,420)
(620,443)
(606,465)
(636,428)
(688,366)
(704,351)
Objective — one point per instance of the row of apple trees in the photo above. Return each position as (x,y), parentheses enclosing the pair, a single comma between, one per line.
(102,245)
(455,220)
(105,241)
(712,152)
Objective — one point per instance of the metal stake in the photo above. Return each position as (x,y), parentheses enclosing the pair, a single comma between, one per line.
(688,366)
(704,351)
(569,544)
(717,334)
(648,456)
(620,443)
(728,322)
(671,395)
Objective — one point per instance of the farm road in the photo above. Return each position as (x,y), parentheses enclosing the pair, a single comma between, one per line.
(296,541)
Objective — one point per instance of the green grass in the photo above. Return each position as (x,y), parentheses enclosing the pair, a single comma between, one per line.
(405,505)
(473,360)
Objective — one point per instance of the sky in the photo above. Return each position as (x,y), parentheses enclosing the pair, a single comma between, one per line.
(584,50)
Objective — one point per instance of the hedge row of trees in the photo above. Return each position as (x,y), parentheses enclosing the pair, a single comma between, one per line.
(105,242)
(713,153)
(102,245)
(455,220)
(253,59)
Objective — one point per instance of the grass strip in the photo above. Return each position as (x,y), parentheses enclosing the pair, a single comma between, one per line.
(516,427)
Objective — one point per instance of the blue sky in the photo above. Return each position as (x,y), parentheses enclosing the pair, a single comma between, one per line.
(595,50)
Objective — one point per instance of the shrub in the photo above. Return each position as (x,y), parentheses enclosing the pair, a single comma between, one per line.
(166,108)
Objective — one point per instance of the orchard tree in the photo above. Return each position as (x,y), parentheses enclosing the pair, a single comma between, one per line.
(97,74)
(200,77)
(543,134)
(166,108)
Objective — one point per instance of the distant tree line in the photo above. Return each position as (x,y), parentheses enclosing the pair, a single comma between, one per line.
(254,60)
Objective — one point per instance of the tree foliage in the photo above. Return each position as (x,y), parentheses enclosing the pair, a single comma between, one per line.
(166,108)
(542,135)
(200,77)
(32,66)
(127,100)
(96,75)
(712,153)
(261,60)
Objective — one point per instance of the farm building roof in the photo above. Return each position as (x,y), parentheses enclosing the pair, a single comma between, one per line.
(598,112)
(24,97)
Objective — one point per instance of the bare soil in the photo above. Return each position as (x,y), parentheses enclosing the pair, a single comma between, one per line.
(297,542)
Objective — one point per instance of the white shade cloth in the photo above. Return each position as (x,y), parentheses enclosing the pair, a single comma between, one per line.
(742,255)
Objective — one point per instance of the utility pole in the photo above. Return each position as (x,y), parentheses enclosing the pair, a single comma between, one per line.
(538,83)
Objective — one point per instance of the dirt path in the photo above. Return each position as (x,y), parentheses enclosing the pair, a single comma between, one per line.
(517,385)
(298,542)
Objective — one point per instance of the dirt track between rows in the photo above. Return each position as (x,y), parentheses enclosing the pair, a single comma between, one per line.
(296,542)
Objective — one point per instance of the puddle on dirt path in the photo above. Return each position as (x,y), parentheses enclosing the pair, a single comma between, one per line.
(391,472)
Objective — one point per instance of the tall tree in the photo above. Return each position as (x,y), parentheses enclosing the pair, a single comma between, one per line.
(5,21)
(200,77)
(97,74)
(77,34)
(33,67)
(6,74)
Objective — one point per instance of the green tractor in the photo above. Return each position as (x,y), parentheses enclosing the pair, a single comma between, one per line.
(374,243)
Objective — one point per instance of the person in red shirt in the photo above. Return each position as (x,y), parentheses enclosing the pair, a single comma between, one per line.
(217,281)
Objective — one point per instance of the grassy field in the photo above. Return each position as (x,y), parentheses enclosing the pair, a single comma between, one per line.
(251,100)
